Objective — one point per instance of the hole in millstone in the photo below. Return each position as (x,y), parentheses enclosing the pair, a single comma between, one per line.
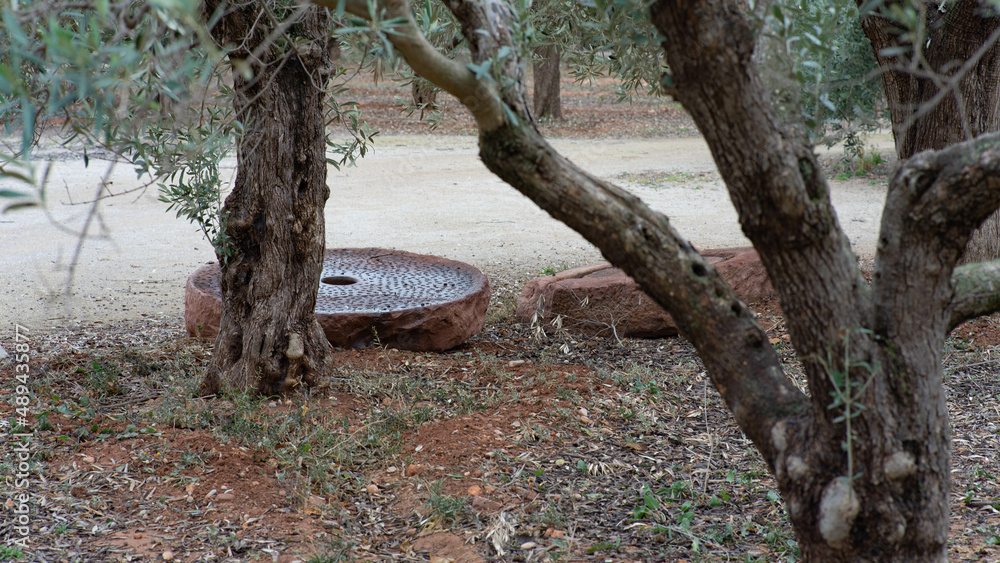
(339,280)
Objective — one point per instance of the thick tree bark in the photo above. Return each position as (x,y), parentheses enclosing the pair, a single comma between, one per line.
(947,95)
(545,70)
(883,497)
(269,341)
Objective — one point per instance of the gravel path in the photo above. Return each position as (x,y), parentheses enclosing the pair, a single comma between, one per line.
(421,193)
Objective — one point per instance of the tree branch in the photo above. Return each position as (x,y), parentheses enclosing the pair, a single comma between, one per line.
(478,95)
(943,196)
(977,292)
(737,354)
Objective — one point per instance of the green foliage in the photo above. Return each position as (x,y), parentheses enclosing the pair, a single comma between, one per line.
(445,508)
(617,38)
(103,70)
(188,159)
(819,65)
(859,160)
(123,77)
(846,393)
(145,81)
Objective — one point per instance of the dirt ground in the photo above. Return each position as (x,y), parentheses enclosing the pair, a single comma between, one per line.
(516,446)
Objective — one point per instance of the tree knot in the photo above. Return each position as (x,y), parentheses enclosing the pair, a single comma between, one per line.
(296,349)
(838,508)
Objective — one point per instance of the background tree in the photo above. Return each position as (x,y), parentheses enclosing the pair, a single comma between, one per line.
(556,22)
(940,75)
(547,76)
(862,461)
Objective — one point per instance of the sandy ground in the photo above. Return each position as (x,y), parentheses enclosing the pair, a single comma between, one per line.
(421,193)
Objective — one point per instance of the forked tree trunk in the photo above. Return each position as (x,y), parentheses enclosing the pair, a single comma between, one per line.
(926,117)
(269,341)
(547,97)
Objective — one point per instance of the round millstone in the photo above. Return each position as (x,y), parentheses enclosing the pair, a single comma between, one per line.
(373,296)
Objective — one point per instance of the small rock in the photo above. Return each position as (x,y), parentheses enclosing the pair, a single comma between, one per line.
(372,489)
(273,405)
(391,469)
(636,446)
(515,363)
(483,504)
(137,535)
(529,545)
(475,490)
(554,533)
(525,493)
(88,459)
(560,462)
(3,353)
(225,497)
(168,555)
(412,470)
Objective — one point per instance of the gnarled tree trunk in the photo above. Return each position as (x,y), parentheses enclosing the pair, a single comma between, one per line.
(962,102)
(269,341)
(545,70)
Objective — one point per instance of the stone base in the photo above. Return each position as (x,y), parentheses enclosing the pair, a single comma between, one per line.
(600,300)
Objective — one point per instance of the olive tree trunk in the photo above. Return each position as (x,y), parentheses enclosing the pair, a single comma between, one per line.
(546,74)
(951,96)
(862,462)
(269,341)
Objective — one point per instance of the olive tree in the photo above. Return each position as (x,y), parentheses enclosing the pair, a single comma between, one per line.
(940,76)
(131,78)
(862,460)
